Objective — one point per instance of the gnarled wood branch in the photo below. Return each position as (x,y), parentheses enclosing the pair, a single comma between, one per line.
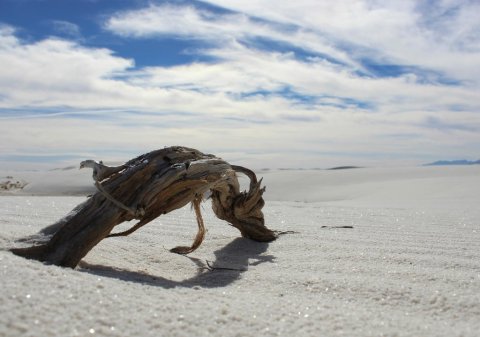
(144,188)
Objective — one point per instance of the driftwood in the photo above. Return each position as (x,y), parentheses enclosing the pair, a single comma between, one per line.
(144,188)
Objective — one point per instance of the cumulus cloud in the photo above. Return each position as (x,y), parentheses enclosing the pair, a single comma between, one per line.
(53,72)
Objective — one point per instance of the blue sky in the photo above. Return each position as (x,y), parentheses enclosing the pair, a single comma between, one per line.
(264,83)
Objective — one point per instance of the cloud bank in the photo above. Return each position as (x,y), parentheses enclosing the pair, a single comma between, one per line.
(309,83)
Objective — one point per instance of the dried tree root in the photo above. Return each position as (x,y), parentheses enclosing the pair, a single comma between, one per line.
(144,188)
(200,234)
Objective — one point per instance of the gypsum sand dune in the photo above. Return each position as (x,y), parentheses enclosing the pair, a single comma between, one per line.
(402,270)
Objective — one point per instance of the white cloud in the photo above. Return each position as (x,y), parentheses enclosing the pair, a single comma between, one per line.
(66,28)
(170,20)
(393,33)
(399,32)
(192,23)
(54,72)
(261,104)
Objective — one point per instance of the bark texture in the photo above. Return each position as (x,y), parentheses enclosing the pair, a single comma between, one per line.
(144,188)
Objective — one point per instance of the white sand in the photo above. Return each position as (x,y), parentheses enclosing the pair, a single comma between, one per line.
(409,267)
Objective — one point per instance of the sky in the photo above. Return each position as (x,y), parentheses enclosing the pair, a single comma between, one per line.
(265,83)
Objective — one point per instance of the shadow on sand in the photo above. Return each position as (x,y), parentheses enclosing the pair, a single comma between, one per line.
(230,262)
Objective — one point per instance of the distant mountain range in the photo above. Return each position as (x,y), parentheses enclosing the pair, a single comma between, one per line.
(453,162)
(343,167)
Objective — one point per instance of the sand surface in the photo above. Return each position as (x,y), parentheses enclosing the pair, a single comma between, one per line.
(410,266)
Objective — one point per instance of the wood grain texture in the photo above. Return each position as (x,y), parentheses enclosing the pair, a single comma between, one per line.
(146,187)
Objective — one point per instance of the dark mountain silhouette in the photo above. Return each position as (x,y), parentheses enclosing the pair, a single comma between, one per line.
(453,162)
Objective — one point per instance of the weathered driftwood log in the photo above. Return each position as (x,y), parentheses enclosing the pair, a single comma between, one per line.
(145,188)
